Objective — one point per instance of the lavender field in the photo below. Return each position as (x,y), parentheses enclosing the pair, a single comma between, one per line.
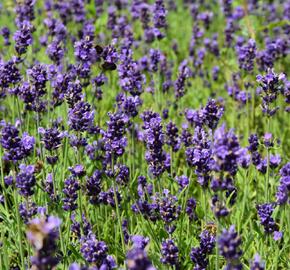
(144,134)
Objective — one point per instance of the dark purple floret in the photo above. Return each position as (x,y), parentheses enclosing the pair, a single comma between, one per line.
(137,259)
(206,18)
(114,138)
(257,263)
(157,158)
(51,137)
(78,10)
(186,137)
(110,56)
(213,113)
(148,210)
(25,180)
(24,11)
(78,170)
(77,141)
(81,117)
(8,180)
(27,210)
(159,14)
(230,29)
(155,57)
(9,73)
(122,174)
(247,55)
(71,187)
(253,143)
(283,190)
(271,85)
(125,231)
(215,73)
(227,7)
(74,93)
(16,148)
(130,76)
(190,208)
(76,227)
(169,252)
(182,181)
(218,207)
(168,207)
(184,73)
(128,105)
(5,32)
(38,78)
(139,241)
(56,29)
(108,197)
(93,186)
(23,37)
(93,251)
(85,52)
(226,150)
(199,255)
(229,244)
(265,212)
(207,241)
(55,51)
(49,187)
(172,137)
(43,234)
(268,140)
(200,156)
(274,161)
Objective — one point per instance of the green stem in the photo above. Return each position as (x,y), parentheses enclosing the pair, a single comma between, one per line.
(268,164)
(117,209)
(217,248)
(19,232)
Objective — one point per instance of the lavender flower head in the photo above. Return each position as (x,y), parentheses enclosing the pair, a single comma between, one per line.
(157,158)
(229,244)
(81,117)
(271,85)
(71,187)
(16,148)
(43,233)
(283,190)
(169,252)
(93,251)
(25,180)
(257,263)
(199,255)
(226,150)
(136,258)
(265,212)
(246,55)
(23,37)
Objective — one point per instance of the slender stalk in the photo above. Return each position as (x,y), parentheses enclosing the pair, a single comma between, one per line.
(19,232)
(119,217)
(204,204)
(217,248)
(62,247)
(117,210)
(268,165)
